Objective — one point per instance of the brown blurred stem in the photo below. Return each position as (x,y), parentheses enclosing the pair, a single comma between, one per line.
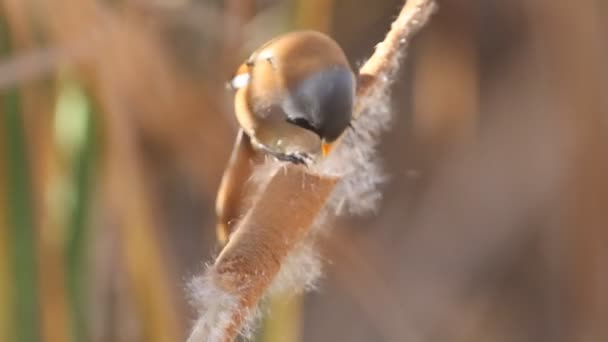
(253,256)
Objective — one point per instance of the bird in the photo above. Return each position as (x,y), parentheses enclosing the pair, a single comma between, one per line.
(293,99)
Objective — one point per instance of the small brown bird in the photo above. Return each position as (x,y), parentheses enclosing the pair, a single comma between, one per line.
(294,98)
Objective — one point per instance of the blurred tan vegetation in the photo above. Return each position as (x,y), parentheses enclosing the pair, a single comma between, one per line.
(115,128)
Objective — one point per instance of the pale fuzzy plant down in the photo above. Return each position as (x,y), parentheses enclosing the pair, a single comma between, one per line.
(215,310)
(300,270)
(355,160)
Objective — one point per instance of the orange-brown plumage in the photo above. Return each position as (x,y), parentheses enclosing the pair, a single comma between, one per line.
(294,97)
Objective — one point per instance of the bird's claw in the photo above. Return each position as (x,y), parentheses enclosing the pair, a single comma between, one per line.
(295,158)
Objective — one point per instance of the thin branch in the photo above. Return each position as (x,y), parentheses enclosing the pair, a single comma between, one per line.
(286,208)
(375,74)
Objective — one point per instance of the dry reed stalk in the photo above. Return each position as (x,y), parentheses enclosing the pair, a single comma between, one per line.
(453,121)
(573,54)
(374,74)
(127,198)
(6,295)
(47,167)
(285,209)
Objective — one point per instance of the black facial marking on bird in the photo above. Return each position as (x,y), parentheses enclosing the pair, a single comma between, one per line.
(301,122)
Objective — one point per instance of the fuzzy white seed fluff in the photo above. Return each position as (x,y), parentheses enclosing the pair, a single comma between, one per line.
(299,271)
(215,308)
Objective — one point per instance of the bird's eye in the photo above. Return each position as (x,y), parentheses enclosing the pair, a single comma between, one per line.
(301,122)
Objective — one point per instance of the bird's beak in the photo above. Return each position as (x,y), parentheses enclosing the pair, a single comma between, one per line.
(326,148)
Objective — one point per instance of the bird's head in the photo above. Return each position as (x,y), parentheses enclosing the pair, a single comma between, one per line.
(295,94)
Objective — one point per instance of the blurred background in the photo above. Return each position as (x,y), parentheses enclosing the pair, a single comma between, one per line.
(115,128)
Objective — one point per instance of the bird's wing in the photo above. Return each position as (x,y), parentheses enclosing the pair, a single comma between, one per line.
(229,204)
